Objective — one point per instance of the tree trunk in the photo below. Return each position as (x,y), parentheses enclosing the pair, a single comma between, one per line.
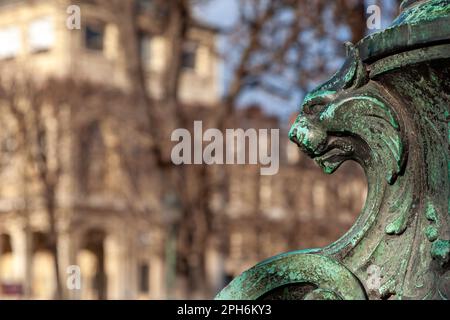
(51,211)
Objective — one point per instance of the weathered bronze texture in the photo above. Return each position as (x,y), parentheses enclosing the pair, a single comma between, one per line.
(388,109)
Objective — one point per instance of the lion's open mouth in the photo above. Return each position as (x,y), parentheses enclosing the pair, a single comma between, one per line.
(330,153)
(337,151)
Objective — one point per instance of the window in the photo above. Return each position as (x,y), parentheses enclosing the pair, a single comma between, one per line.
(189,57)
(94,36)
(144,278)
(41,35)
(10,42)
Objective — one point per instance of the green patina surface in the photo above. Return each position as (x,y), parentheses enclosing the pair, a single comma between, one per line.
(426,12)
(441,250)
(409,58)
(420,24)
(333,280)
(432,233)
(388,109)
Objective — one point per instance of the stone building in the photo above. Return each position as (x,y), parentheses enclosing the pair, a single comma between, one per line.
(96,230)
(36,40)
(103,226)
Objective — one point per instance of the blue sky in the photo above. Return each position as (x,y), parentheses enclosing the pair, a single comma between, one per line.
(223,13)
(218,12)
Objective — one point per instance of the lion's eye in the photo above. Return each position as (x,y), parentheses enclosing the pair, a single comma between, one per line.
(313,108)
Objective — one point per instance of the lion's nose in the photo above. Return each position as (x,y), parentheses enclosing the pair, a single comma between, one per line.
(293,136)
(297,135)
(307,135)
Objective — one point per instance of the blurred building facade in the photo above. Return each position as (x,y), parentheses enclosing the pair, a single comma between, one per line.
(121,254)
(36,40)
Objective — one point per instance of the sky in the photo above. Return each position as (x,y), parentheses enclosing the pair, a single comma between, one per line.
(220,13)
(223,14)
